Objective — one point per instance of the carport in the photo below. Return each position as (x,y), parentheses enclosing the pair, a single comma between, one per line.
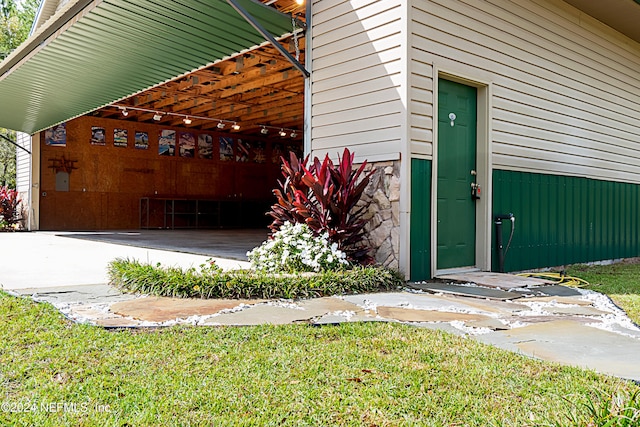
(118,80)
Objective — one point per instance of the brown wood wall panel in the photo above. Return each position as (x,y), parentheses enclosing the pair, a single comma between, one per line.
(108,182)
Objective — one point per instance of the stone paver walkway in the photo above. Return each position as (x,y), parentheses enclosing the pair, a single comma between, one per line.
(559,324)
(585,330)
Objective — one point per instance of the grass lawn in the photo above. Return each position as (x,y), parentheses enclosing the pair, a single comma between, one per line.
(370,374)
(621,282)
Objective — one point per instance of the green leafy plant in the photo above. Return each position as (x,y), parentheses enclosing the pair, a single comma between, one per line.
(8,207)
(324,196)
(133,276)
(210,267)
(294,249)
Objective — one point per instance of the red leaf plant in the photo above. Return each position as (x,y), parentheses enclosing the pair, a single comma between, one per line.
(8,206)
(325,197)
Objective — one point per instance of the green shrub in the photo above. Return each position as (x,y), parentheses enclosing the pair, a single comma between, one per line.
(207,282)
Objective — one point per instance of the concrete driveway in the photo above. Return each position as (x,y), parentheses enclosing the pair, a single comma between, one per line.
(46,259)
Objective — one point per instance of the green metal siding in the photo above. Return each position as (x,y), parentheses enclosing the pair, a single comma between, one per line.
(420,234)
(565,220)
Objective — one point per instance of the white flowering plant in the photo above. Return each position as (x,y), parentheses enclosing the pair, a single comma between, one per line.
(295,249)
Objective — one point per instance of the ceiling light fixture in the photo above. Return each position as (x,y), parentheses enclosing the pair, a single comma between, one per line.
(187,119)
(293,133)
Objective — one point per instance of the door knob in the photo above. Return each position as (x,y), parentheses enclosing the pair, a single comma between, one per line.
(473,172)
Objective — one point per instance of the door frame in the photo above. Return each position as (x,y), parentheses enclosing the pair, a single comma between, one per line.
(484,223)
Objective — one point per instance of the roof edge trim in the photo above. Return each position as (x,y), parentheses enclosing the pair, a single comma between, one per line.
(41,36)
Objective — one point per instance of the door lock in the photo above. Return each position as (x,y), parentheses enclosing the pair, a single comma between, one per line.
(475,191)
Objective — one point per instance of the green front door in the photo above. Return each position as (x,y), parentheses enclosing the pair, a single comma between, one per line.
(456,213)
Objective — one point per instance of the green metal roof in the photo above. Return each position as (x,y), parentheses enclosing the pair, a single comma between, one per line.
(119,48)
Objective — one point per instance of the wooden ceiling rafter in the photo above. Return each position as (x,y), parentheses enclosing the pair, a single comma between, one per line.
(261,116)
(241,104)
(198,91)
(185,103)
(232,95)
(240,111)
(179,86)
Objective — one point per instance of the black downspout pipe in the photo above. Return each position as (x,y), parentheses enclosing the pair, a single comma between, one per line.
(499,244)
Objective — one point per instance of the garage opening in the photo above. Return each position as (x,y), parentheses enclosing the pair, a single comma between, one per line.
(199,152)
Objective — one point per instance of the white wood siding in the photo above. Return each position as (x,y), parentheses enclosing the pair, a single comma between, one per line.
(23,161)
(358,69)
(566,88)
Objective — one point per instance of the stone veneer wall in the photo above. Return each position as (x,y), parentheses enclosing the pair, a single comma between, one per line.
(382,198)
